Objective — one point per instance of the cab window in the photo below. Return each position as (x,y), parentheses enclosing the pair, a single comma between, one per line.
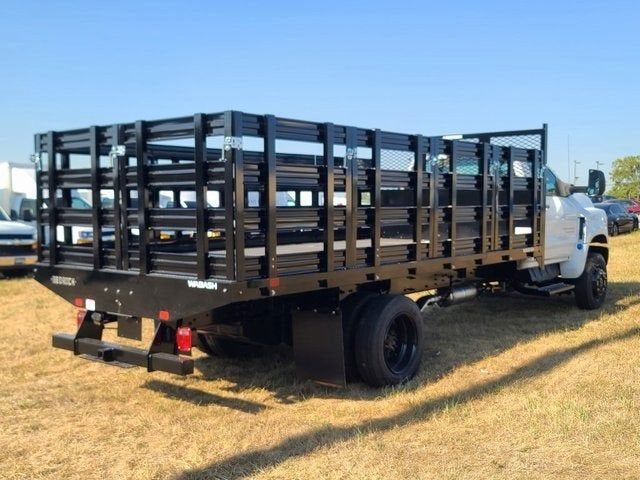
(551,183)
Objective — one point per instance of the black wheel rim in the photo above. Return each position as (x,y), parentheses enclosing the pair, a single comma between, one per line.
(400,344)
(599,281)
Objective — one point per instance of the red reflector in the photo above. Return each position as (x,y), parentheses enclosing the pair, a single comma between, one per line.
(274,282)
(78,302)
(80,317)
(163,315)
(183,339)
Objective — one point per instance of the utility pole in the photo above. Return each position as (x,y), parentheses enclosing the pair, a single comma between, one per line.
(575,171)
(568,156)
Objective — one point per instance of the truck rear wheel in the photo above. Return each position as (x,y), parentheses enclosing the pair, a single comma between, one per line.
(591,286)
(389,340)
(217,346)
(352,307)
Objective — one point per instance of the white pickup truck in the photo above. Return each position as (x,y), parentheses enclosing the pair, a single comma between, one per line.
(17,246)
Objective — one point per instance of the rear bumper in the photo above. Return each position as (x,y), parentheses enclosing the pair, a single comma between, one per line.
(114,353)
(17,261)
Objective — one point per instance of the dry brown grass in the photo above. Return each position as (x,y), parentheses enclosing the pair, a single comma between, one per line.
(511,387)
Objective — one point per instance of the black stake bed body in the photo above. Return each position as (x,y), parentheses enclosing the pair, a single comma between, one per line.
(207,215)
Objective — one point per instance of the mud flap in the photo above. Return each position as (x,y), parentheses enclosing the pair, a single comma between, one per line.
(318,347)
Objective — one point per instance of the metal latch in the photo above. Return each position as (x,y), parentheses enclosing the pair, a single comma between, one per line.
(351,153)
(432,162)
(230,143)
(494,166)
(37,160)
(541,171)
(115,152)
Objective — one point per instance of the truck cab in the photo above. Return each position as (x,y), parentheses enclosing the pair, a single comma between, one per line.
(573,225)
(576,243)
(17,246)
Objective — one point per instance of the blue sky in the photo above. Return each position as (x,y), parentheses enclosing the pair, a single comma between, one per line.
(414,67)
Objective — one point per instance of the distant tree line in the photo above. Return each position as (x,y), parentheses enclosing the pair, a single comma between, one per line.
(625,177)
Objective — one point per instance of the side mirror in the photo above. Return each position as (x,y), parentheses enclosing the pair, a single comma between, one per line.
(13,215)
(597,183)
(27,215)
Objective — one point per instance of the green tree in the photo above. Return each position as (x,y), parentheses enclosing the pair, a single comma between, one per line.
(625,177)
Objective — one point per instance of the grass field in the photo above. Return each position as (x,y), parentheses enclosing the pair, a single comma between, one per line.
(510,387)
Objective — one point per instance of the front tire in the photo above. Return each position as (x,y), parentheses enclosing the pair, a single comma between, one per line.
(389,340)
(591,286)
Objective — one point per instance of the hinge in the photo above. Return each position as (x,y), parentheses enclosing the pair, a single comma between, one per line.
(230,143)
(115,152)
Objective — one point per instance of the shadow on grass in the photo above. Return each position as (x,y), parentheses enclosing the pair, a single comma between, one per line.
(245,464)
(200,397)
(455,336)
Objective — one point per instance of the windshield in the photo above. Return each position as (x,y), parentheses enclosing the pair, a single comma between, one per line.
(4,216)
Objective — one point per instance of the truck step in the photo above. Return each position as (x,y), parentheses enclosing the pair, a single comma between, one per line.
(556,289)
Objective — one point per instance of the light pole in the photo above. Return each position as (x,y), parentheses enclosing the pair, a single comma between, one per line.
(568,156)
(575,171)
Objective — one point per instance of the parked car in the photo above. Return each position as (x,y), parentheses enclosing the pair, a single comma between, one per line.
(17,246)
(618,219)
(80,235)
(601,198)
(631,206)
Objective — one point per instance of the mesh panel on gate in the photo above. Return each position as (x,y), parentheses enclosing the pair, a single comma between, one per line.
(467,166)
(520,141)
(397,160)
(533,141)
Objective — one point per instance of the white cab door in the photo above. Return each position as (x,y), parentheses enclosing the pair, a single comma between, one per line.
(561,223)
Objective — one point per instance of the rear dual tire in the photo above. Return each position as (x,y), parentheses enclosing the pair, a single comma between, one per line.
(352,307)
(389,340)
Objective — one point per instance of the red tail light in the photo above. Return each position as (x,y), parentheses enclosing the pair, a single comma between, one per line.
(183,339)
(80,316)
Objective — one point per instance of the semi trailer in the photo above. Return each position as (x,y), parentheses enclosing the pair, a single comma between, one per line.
(301,233)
